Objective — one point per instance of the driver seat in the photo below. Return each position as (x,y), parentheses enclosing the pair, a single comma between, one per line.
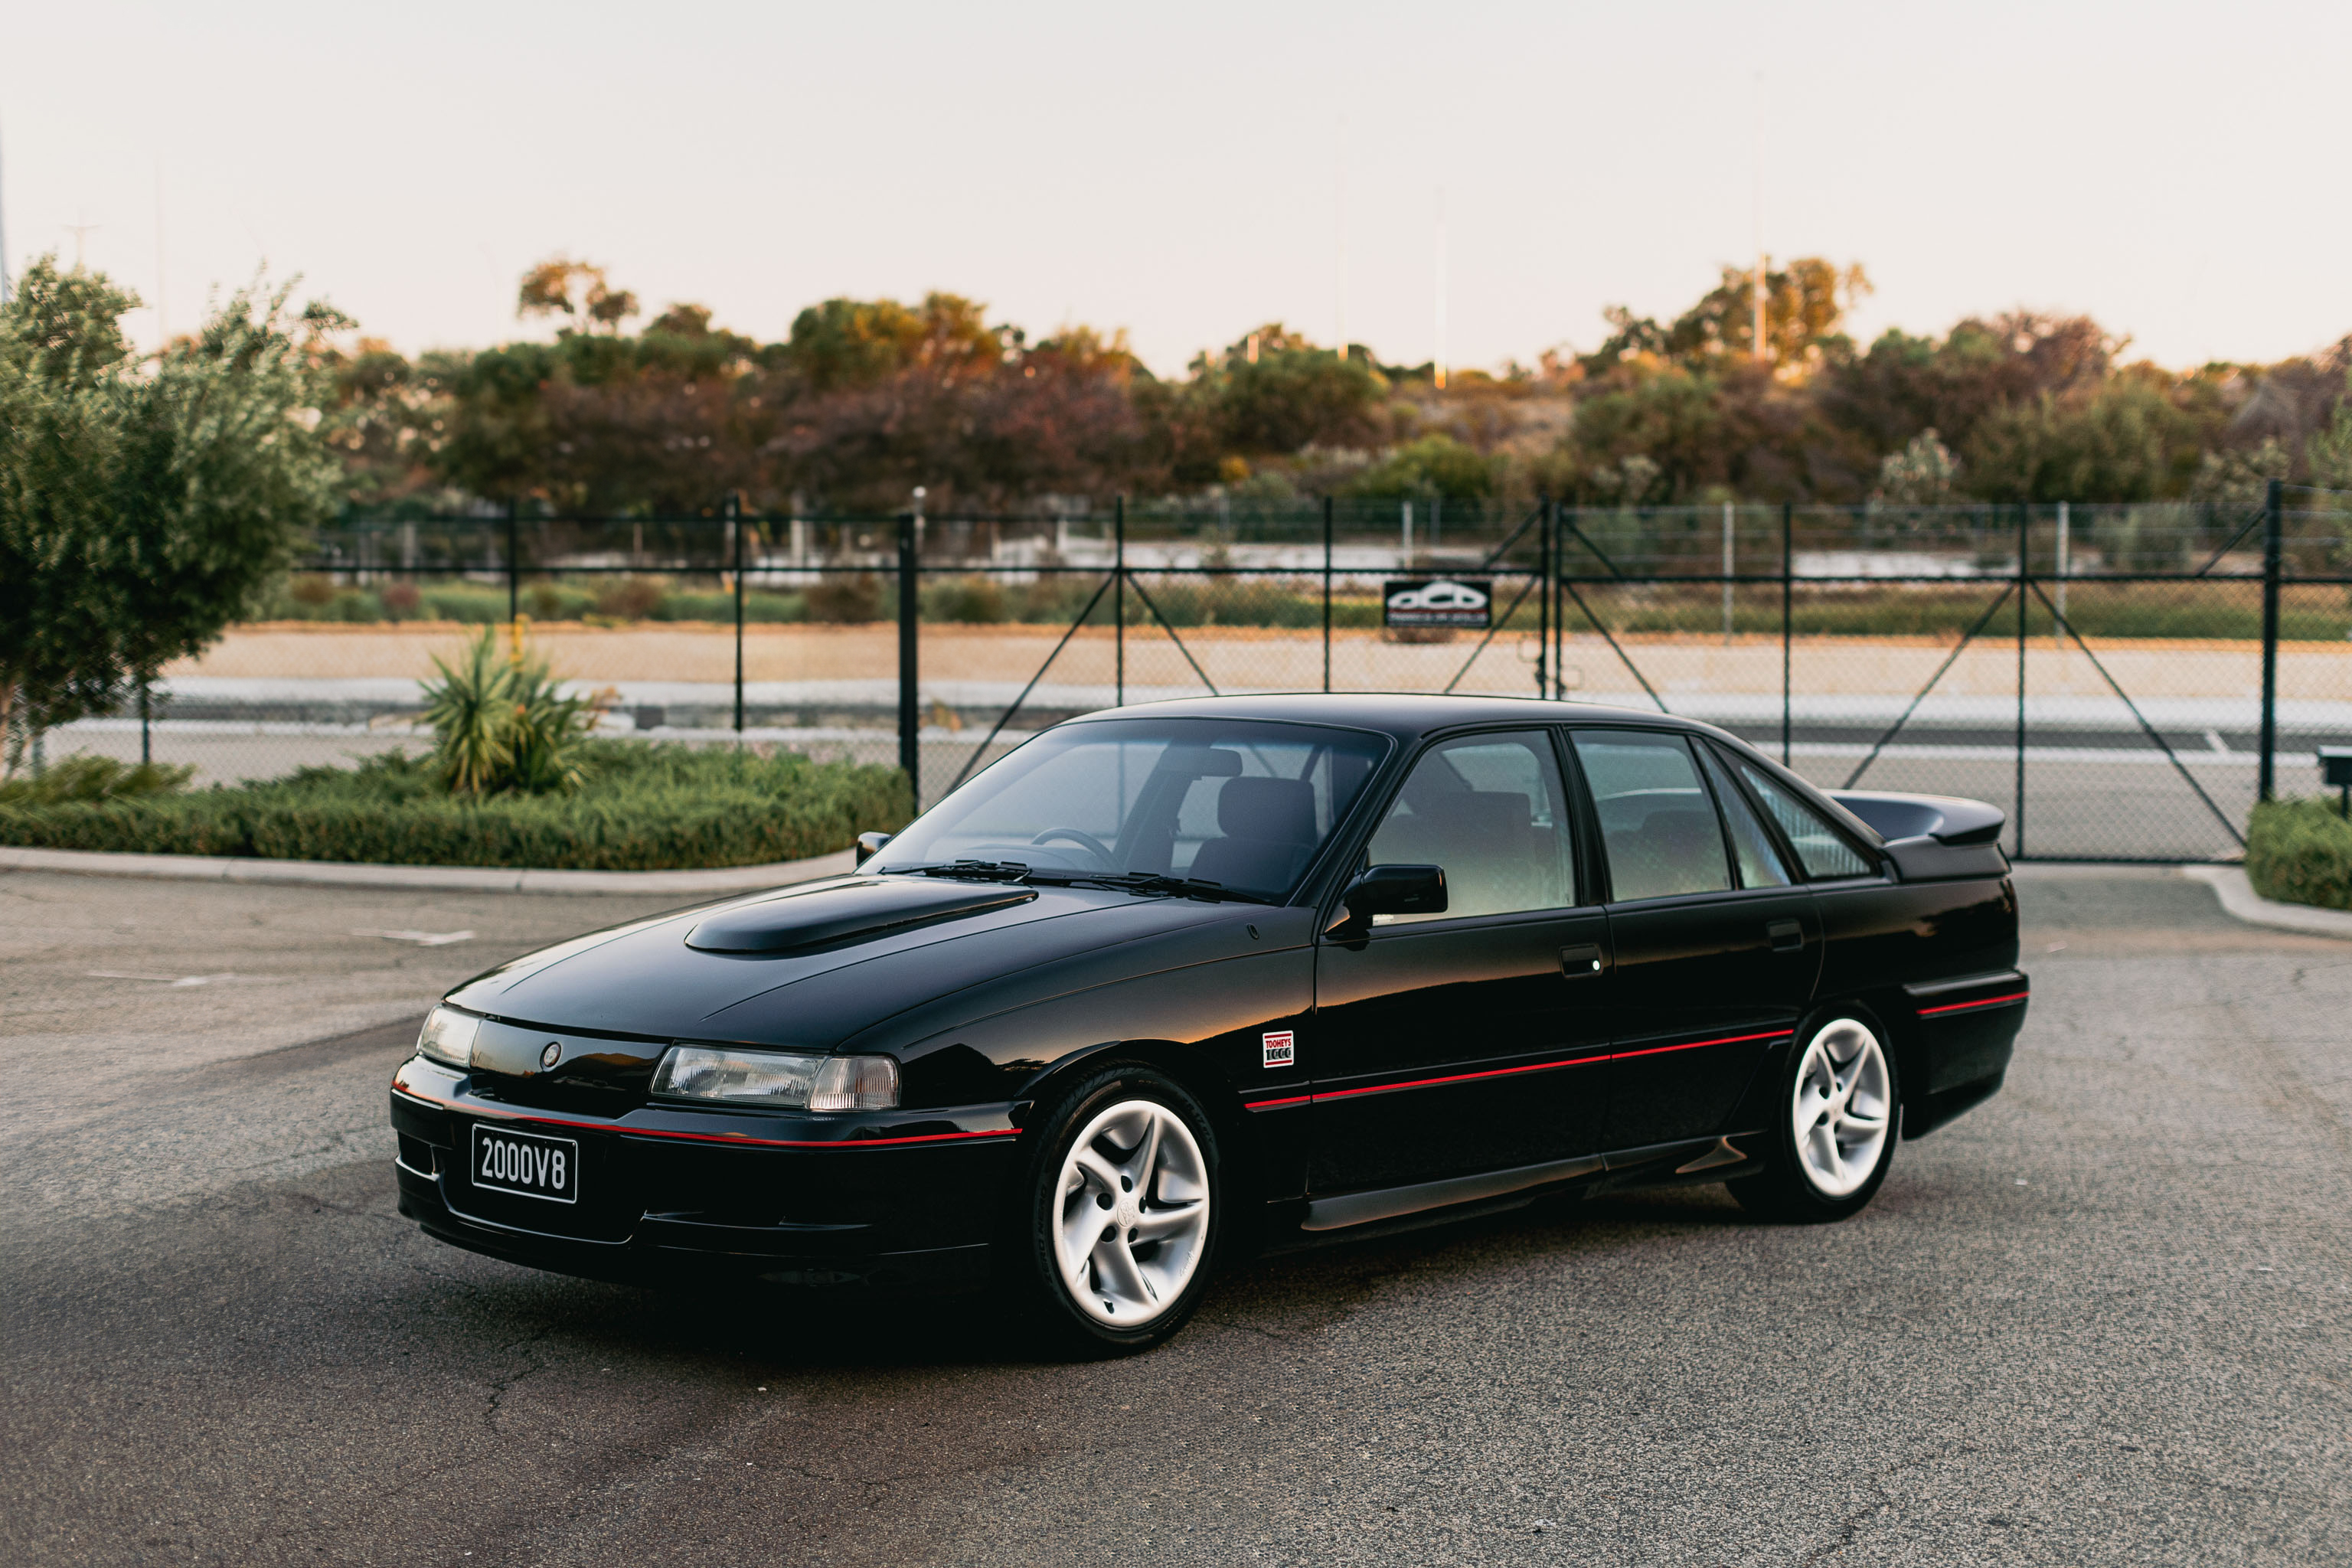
(1269,831)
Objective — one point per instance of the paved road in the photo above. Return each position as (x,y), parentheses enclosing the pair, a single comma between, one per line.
(2103,1319)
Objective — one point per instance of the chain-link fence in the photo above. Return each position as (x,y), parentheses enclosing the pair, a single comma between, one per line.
(2099,671)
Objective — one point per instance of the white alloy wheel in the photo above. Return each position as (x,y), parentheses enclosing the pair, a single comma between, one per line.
(1843,1110)
(1133,1216)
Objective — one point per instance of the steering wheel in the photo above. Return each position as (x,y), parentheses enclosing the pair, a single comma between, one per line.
(1093,845)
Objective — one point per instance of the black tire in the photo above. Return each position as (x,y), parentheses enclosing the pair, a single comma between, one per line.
(1043,1300)
(1790,1189)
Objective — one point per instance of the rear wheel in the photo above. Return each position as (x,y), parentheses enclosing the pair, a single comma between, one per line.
(1121,1212)
(1840,1118)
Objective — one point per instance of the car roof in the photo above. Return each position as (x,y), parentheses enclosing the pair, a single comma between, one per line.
(1407,715)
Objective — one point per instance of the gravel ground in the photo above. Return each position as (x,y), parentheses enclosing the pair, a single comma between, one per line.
(2103,1319)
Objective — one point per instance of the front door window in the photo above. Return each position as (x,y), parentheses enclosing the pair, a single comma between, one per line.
(1490,810)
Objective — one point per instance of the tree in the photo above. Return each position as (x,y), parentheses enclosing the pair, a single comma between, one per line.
(557,287)
(2124,442)
(1435,465)
(1923,473)
(1804,305)
(140,513)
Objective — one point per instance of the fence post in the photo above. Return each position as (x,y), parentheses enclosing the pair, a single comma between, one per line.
(1118,604)
(1788,586)
(146,742)
(2273,517)
(514,567)
(910,755)
(1326,592)
(2024,526)
(735,538)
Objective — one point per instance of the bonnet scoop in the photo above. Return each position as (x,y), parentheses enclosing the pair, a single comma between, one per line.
(843,911)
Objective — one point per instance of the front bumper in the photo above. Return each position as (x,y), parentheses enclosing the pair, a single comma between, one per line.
(907,1199)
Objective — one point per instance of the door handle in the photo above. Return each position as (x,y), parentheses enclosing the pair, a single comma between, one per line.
(1788,936)
(1581,961)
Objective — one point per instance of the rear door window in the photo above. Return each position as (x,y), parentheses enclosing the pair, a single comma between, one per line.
(1658,825)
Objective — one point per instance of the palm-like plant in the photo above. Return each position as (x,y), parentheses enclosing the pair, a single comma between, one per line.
(471,710)
(545,729)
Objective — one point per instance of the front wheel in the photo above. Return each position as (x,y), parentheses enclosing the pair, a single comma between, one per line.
(1122,1212)
(1834,1137)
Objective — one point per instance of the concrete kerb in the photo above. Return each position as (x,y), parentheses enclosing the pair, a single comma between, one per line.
(2237,894)
(2239,899)
(423,879)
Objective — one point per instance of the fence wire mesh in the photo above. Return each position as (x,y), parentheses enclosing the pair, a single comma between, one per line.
(2097,670)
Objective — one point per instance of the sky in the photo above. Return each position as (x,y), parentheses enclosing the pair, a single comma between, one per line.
(1189,173)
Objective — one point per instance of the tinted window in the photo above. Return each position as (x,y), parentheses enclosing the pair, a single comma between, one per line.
(1489,809)
(1656,820)
(1823,851)
(1752,850)
(1243,803)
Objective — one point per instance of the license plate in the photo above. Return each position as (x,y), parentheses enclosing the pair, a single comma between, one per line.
(527,1163)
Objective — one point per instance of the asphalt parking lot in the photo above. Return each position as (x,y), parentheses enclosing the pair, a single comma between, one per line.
(2103,1319)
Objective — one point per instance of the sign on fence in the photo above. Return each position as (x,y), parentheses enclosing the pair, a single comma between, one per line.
(1439,602)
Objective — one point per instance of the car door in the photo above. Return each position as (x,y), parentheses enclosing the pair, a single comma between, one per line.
(1475,1040)
(1717,943)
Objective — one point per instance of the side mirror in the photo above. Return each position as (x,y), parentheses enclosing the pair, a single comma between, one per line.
(869,845)
(1389,890)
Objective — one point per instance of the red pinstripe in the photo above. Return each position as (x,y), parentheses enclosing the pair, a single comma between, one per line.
(704,1137)
(1506,1072)
(1980,1002)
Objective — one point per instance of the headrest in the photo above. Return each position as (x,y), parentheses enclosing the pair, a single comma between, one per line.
(1491,811)
(1683,828)
(1282,810)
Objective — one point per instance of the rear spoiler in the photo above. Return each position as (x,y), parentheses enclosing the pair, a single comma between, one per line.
(1933,836)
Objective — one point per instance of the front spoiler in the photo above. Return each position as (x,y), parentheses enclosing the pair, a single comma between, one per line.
(666,1253)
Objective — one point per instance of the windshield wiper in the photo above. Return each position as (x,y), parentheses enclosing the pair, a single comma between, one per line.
(1060,877)
(975,870)
(1158,882)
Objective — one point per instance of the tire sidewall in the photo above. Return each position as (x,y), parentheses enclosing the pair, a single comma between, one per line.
(1791,1193)
(1037,1273)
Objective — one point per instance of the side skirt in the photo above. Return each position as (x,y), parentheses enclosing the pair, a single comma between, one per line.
(1688,1161)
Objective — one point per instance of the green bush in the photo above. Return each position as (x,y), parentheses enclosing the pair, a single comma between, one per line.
(2300,851)
(643,807)
(83,777)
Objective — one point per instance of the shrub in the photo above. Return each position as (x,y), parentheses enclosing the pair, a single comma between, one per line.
(972,600)
(401,600)
(842,599)
(630,598)
(499,722)
(642,807)
(83,777)
(2300,851)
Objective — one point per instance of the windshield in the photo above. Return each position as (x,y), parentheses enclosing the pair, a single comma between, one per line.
(1242,804)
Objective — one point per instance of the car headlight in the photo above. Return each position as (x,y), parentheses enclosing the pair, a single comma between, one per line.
(448,1037)
(778,1078)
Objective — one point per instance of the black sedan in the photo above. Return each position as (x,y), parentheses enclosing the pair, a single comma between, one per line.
(1182,982)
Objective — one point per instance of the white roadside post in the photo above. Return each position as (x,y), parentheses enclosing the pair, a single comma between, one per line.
(1728,526)
(2058,631)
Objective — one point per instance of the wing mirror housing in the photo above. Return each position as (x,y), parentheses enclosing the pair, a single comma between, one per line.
(870,845)
(1388,890)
